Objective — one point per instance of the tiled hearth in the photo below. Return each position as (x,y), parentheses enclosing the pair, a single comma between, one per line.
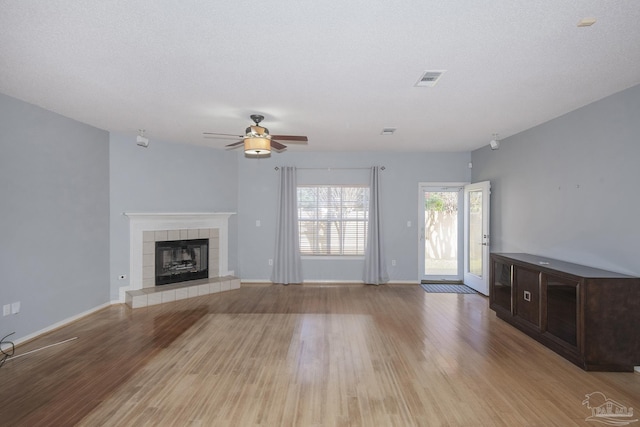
(177,291)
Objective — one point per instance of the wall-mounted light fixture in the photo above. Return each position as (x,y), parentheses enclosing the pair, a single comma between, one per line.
(141,140)
(495,142)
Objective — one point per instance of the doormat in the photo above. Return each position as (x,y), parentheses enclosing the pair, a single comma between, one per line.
(447,289)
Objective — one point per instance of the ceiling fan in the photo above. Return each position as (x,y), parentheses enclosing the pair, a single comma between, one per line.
(257,140)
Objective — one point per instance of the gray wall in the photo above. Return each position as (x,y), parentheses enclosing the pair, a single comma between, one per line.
(564,189)
(166,177)
(54,255)
(568,188)
(257,200)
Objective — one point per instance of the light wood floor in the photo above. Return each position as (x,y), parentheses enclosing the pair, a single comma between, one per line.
(301,356)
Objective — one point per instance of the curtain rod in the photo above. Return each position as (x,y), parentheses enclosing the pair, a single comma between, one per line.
(381,167)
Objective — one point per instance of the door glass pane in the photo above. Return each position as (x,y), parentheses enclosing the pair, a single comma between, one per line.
(441,233)
(475,232)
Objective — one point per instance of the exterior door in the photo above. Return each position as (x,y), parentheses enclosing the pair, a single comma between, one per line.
(476,236)
(440,239)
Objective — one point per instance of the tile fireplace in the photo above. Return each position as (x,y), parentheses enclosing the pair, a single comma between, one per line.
(190,235)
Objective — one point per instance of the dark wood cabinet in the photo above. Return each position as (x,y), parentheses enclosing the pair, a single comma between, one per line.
(501,294)
(527,300)
(589,316)
(560,314)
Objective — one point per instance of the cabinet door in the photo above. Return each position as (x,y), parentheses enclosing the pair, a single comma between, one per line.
(561,311)
(501,286)
(527,294)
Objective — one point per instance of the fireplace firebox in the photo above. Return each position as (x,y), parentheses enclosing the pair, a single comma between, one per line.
(181,261)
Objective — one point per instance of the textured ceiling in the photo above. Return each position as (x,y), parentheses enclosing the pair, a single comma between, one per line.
(337,71)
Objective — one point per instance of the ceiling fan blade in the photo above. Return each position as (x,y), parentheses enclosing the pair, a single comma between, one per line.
(222,134)
(235,144)
(291,138)
(277,146)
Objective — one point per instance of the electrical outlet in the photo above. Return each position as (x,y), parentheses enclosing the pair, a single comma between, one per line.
(6,309)
(393,262)
(270,261)
(15,307)
(258,223)
(408,223)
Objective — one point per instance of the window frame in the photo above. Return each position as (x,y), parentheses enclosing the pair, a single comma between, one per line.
(312,250)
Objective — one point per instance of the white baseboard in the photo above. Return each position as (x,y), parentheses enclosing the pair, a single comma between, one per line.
(62,323)
(336,282)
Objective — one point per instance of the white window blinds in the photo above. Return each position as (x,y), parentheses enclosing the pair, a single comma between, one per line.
(333,219)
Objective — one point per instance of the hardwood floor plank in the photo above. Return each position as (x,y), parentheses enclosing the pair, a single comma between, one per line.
(301,356)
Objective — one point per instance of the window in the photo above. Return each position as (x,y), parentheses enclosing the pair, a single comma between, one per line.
(333,219)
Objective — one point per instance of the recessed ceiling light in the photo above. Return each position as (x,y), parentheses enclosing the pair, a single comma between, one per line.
(586,22)
(429,78)
(387,131)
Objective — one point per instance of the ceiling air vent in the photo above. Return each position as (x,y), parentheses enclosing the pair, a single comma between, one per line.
(429,78)
(387,131)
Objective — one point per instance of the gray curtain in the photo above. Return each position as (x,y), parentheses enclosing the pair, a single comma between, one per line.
(287,265)
(375,268)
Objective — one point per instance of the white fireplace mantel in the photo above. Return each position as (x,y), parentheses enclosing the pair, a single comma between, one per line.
(141,222)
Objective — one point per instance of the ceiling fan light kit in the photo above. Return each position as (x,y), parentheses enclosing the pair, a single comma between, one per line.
(257,141)
(257,145)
